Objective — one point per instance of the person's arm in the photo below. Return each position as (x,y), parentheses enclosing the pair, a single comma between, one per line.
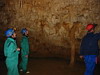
(24,47)
(12,50)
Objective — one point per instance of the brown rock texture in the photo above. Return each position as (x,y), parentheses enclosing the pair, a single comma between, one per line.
(56,27)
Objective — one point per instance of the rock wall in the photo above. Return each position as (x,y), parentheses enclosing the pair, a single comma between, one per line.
(52,24)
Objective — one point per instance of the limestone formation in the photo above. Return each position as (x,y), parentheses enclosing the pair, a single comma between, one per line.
(56,26)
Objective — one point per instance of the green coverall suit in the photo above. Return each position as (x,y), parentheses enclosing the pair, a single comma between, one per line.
(24,53)
(11,53)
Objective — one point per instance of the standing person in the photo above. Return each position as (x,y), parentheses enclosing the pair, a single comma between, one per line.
(24,51)
(89,49)
(11,52)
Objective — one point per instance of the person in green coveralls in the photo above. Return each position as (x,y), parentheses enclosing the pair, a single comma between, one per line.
(24,51)
(11,52)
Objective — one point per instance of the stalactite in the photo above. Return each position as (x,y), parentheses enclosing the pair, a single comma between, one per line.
(21,3)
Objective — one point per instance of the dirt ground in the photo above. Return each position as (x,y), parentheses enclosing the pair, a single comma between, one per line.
(51,66)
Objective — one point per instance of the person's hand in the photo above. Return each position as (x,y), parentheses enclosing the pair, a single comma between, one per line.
(26,56)
(18,49)
(81,57)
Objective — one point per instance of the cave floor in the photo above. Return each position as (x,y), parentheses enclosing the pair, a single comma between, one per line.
(51,66)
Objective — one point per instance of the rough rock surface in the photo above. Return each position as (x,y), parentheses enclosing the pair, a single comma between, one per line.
(54,25)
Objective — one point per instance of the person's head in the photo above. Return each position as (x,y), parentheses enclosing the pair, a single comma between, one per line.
(24,32)
(91,27)
(10,33)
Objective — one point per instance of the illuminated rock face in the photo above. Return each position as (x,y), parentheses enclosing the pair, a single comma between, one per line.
(54,25)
